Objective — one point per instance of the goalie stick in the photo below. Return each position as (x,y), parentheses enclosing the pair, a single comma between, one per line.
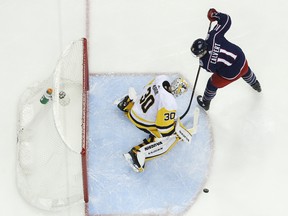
(184,133)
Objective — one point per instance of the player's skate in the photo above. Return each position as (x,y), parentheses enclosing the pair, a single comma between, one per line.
(203,103)
(135,160)
(256,86)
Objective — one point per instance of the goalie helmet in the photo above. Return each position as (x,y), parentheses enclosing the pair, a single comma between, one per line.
(199,48)
(178,86)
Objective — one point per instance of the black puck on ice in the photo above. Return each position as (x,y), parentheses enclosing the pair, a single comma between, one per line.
(205,190)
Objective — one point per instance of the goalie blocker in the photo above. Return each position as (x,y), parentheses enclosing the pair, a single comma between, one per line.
(144,152)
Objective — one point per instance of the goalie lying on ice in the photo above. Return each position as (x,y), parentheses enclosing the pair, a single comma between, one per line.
(154,112)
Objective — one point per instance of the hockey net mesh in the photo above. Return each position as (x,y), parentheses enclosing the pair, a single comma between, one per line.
(51,138)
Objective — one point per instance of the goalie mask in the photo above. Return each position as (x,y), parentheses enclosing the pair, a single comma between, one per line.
(178,87)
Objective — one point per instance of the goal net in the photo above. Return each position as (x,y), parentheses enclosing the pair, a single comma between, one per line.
(52,134)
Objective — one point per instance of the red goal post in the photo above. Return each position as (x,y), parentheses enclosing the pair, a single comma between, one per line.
(52,136)
(85,119)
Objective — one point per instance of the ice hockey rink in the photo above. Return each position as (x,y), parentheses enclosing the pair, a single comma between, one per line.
(248,174)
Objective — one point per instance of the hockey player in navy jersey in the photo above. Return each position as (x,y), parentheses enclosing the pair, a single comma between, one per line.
(224,59)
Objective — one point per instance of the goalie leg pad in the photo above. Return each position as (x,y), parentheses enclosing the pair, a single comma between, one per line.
(139,154)
(159,147)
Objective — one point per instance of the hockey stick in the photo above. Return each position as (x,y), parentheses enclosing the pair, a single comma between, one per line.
(193,130)
(193,90)
(194,86)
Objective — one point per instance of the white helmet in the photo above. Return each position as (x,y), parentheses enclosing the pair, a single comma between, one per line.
(179,86)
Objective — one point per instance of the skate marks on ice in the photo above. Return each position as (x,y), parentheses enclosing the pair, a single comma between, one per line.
(169,184)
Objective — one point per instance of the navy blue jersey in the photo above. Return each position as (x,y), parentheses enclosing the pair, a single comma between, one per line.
(223,57)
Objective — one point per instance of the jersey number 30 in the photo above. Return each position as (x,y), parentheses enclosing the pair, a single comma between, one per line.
(147,100)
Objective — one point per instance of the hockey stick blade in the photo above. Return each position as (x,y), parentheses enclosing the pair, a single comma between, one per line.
(193,130)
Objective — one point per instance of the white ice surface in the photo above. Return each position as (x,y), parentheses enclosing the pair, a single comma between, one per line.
(249,171)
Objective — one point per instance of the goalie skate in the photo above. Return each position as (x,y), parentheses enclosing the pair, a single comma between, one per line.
(133,162)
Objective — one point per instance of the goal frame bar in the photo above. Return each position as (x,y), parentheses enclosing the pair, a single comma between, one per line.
(85,120)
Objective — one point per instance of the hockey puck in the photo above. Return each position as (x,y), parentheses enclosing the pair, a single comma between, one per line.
(206,190)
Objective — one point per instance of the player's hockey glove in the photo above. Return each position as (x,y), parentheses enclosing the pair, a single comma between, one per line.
(212,14)
(205,104)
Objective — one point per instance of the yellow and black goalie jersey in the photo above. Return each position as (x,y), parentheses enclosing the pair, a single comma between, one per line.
(154,111)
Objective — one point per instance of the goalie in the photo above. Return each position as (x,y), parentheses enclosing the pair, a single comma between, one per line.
(154,112)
